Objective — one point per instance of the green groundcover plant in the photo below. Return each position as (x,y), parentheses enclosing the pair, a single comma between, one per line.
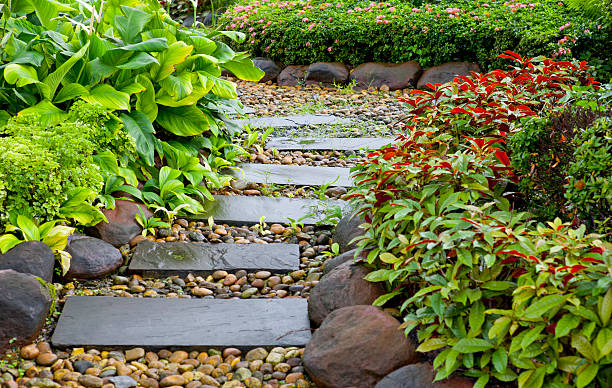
(158,83)
(355,32)
(490,291)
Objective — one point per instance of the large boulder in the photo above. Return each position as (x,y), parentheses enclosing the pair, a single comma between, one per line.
(292,75)
(356,347)
(445,73)
(344,286)
(327,73)
(346,230)
(268,66)
(92,258)
(420,376)
(346,257)
(394,75)
(32,257)
(121,226)
(24,305)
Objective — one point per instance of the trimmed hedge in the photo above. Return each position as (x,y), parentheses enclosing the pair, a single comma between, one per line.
(355,32)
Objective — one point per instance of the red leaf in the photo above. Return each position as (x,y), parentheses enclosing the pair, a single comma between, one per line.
(502,157)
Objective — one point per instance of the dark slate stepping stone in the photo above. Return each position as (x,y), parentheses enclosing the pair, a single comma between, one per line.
(180,258)
(293,175)
(292,121)
(241,209)
(101,321)
(328,143)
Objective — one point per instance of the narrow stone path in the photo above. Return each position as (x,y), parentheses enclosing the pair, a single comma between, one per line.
(215,317)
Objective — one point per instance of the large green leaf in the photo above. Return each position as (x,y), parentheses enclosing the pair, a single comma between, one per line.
(53,80)
(70,92)
(20,75)
(140,128)
(47,10)
(244,69)
(132,24)
(138,61)
(203,45)
(98,71)
(179,86)
(224,88)
(168,59)
(8,242)
(183,121)
(195,96)
(145,101)
(149,45)
(108,97)
(49,114)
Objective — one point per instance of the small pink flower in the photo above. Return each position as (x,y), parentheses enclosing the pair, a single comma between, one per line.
(329,49)
(307,44)
(305,20)
(330,19)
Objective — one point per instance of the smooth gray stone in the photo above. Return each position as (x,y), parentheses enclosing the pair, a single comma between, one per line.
(184,323)
(293,175)
(328,143)
(292,121)
(178,258)
(239,209)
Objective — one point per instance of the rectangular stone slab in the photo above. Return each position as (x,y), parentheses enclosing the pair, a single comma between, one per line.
(292,121)
(100,321)
(179,258)
(293,175)
(328,143)
(242,209)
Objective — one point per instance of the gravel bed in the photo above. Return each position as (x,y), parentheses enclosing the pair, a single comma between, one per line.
(305,158)
(39,365)
(366,105)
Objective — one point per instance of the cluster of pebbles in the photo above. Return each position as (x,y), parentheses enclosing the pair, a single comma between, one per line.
(365,105)
(305,158)
(37,365)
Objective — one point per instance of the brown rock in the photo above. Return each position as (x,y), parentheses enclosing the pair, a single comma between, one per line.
(392,75)
(292,75)
(420,376)
(46,359)
(29,352)
(277,229)
(121,227)
(90,381)
(169,381)
(327,73)
(134,354)
(344,286)
(179,356)
(92,258)
(268,66)
(356,346)
(445,73)
(31,257)
(149,382)
(24,305)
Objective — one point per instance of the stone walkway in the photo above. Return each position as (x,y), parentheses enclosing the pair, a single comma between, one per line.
(206,322)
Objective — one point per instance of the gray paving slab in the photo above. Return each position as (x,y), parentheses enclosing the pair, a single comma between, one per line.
(242,209)
(295,121)
(186,323)
(179,258)
(293,175)
(328,143)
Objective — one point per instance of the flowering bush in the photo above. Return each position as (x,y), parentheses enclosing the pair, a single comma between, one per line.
(493,294)
(354,32)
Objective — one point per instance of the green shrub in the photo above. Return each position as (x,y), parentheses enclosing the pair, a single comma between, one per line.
(40,165)
(564,163)
(494,295)
(589,191)
(354,31)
